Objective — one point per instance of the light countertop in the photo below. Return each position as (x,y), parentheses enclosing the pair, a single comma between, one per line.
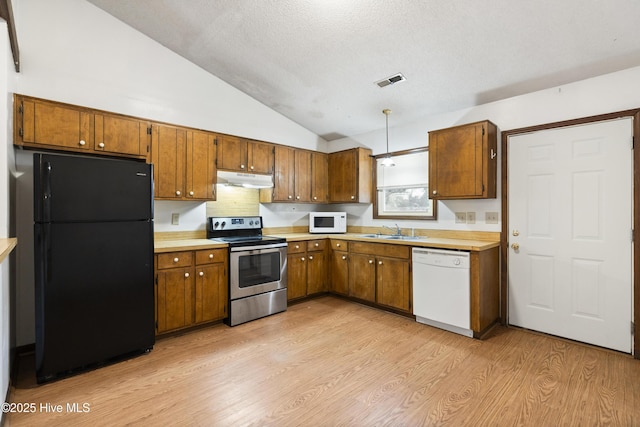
(425,241)
(6,246)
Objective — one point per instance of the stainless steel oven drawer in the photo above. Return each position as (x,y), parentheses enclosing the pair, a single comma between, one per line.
(250,308)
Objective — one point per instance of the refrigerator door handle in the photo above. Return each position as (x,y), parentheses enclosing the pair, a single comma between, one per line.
(46,194)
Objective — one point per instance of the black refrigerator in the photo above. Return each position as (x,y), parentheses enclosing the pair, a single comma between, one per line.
(93,233)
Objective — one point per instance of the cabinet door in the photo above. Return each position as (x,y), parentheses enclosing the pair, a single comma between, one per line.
(232,153)
(340,272)
(316,272)
(54,124)
(392,283)
(342,176)
(362,277)
(175,294)
(302,176)
(114,134)
(260,157)
(210,292)
(283,176)
(296,275)
(168,145)
(319,177)
(201,166)
(462,162)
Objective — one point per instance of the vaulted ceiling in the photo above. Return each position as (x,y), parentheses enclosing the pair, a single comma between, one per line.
(318,61)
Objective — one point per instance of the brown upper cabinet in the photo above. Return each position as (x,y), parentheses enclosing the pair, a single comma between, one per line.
(53,125)
(299,176)
(319,177)
(462,162)
(350,176)
(184,163)
(242,155)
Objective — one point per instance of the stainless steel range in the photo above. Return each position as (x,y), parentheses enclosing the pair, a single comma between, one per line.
(257,268)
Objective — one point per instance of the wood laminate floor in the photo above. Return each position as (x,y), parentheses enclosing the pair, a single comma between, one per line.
(330,362)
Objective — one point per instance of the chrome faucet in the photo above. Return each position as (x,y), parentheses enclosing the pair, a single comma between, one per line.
(397,229)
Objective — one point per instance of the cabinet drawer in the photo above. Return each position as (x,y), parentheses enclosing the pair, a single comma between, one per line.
(211,256)
(316,245)
(296,247)
(339,245)
(175,259)
(381,249)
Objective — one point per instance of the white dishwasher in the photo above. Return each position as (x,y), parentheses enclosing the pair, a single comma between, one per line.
(441,289)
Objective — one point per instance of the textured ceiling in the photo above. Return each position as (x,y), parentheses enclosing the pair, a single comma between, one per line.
(317,61)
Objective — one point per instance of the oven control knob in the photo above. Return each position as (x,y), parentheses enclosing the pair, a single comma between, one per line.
(456,261)
(216,224)
(223,224)
(250,222)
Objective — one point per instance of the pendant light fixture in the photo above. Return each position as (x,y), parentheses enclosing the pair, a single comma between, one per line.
(387,161)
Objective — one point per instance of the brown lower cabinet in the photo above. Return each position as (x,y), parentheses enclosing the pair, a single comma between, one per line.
(380,274)
(191,288)
(306,268)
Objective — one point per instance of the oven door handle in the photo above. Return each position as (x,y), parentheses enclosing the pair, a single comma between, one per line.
(258,247)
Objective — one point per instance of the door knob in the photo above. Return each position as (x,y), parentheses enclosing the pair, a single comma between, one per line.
(515,246)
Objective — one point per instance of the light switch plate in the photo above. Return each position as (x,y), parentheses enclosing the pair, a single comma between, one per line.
(461,217)
(175,219)
(491,217)
(471,217)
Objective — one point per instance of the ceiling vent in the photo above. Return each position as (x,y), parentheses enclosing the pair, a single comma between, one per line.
(391,80)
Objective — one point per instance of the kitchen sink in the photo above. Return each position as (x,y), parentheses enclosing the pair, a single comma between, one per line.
(392,237)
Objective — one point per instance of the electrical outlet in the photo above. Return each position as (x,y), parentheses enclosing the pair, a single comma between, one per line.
(461,217)
(471,217)
(491,217)
(175,219)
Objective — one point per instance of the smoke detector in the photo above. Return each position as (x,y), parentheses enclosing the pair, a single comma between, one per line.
(391,80)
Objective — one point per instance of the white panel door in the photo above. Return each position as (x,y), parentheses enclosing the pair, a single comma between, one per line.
(570,221)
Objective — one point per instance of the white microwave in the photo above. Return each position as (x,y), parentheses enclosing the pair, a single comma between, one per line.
(327,222)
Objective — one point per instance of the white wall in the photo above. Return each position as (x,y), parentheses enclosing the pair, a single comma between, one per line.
(604,94)
(6,154)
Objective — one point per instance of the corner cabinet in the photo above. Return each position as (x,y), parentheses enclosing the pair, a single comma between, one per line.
(43,124)
(184,163)
(462,162)
(350,176)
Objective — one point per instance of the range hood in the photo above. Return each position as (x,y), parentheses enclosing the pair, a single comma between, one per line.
(246,180)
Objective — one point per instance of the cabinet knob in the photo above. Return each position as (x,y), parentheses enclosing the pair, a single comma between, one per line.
(379,262)
(344,257)
(337,245)
(315,198)
(178,193)
(310,257)
(186,274)
(210,256)
(201,274)
(290,197)
(191,193)
(370,261)
(251,168)
(241,166)
(302,259)
(317,244)
(176,259)
(82,143)
(298,197)
(297,246)
(353,197)
(101,145)
(434,192)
